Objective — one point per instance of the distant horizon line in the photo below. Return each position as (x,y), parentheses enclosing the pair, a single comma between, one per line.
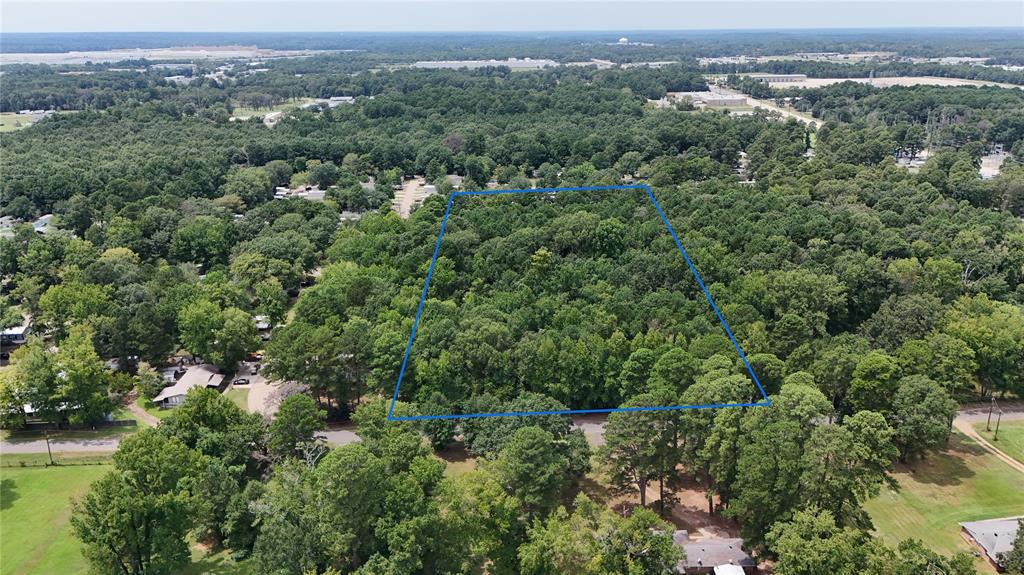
(531,31)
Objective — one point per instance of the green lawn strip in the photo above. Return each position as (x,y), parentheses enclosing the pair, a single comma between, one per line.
(11,121)
(239,396)
(205,562)
(68,458)
(1011,437)
(35,533)
(244,112)
(152,409)
(964,483)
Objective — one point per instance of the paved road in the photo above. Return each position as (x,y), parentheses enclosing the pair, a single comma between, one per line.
(592,426)
(967,417)
(107,444)
(340,435)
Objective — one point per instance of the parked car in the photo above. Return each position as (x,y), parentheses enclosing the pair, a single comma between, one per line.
(241,381)
(254,369)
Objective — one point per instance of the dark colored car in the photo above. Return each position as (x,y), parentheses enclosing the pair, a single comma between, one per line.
(241,381)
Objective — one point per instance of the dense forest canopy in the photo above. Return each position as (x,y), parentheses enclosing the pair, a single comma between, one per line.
(868,297)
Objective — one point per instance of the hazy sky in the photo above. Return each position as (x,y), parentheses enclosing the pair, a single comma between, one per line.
(495,15)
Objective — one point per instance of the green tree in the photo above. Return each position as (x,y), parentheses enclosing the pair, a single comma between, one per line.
(235,338)
(295,425)
(596,541)
(845,465)
(69,303)
(921,415)
(532,469)
(630,450)
(875,380)
(675,369)
(1013,561)
(347,500)
(253,185)
(135,518)
(811,543)
(198,324)
(81,381)
(204,240)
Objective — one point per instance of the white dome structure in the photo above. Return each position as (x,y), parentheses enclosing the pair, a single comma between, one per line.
(623,40)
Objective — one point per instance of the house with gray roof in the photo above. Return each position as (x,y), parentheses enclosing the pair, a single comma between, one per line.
(197,376)
(994,536)
(713,556)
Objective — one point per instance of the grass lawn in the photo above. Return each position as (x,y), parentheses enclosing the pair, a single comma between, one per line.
(239,396)
(11,121)
(219,563)
(153,410)
(244,112)
(964,483)
(35,533)
(1011,437)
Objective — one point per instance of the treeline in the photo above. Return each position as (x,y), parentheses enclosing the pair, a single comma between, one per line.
(952,116)
(284,502)
(817,69)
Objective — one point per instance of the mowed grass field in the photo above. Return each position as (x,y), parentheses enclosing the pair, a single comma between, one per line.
(35,513)
(246,112)
(10,121)
(1011,437)
(963,483)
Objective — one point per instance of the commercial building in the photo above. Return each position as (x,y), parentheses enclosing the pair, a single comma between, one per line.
(778,78)
(514,63)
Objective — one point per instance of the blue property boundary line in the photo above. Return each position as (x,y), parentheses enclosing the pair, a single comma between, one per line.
(693,270)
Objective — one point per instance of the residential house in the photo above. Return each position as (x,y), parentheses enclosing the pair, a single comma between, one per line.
(42,225)
(197,376)
(16,335)
(994,536)
(713,556)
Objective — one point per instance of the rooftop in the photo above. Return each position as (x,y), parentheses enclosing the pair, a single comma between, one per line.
(199,376)
(711,552)
(995,536)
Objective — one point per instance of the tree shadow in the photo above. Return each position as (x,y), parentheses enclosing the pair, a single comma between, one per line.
(8,494)
(947,467)
(454,453)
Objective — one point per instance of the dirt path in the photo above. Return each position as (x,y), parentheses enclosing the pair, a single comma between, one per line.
(141,414)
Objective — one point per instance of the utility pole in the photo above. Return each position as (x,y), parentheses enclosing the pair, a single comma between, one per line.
(991,405)
(48,452)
